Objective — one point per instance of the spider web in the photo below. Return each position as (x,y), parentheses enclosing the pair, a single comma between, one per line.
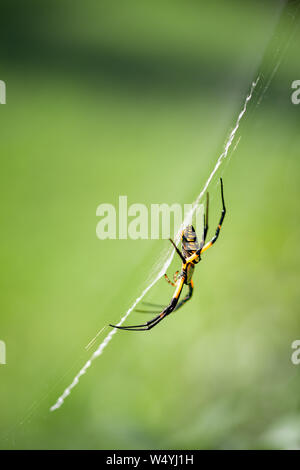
(166,257)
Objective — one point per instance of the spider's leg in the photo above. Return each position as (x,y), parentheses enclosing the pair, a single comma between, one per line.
(213,240)
(129,327)
(175,277)
(178,251)
(168,280)
(150,304)
(205,223)
(144,327)
(157,308)
(206,218)
(151,323)
(147,325)
(187,297)
(146,311)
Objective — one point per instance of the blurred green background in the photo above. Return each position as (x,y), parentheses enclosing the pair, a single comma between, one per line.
(137,98)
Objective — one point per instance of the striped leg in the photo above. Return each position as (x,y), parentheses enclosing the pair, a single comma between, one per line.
(151,323)
(168,280)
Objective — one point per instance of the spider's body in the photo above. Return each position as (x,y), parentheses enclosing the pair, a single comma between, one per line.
(190,246)
(190,256)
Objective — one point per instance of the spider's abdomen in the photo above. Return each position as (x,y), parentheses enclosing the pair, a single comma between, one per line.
(189,241)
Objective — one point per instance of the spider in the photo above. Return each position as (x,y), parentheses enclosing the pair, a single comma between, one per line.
(190,256)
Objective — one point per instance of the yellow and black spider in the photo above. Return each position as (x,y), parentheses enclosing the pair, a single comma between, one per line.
(190,256)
